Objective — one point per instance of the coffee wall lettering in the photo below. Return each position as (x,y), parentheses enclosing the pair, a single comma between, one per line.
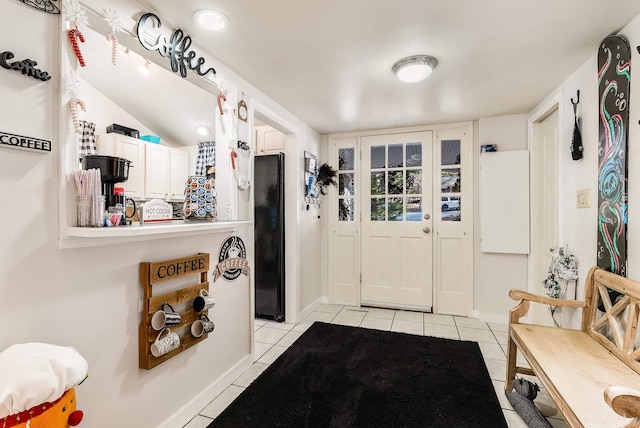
(177,48)
(22,142)
(26,66)
(42,5)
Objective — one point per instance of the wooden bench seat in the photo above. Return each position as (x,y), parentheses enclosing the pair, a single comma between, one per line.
(592,374)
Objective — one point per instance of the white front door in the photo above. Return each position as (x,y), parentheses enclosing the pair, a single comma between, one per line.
(397,219)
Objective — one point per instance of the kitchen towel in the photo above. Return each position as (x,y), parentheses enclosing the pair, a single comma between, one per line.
(206,157)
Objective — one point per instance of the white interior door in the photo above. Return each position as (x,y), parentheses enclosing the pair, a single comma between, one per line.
(544,205)
(397,219)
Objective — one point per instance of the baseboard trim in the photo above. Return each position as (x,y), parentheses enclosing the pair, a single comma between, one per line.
(494,318)
(312,307)
(189,410)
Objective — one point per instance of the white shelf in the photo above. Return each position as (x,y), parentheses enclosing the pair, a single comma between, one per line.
(96,236)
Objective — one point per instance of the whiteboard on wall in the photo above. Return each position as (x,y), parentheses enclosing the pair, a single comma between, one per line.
(504,202)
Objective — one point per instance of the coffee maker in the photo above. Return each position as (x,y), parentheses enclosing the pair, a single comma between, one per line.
(112,170)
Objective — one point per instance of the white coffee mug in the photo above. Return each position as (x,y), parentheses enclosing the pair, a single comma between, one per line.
(165,318)
(203,301)
(167,344)
(202,326)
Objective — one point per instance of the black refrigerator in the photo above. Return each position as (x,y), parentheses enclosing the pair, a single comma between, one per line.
(268,196)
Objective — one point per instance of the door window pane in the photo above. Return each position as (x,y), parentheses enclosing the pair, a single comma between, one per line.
(377,157)
(414,209)
(378,183)
(395,156)
(378,209)
(450,181)
(345,184)
(396,182)
(414,154)
(395,209)
(450,152)
(414,181)
(451,208)
(345,209)
(345,159)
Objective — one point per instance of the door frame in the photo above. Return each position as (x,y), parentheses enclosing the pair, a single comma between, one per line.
(551,105)
(292,245)
(353,298)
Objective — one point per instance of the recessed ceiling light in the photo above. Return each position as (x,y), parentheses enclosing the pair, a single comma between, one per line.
(211,19)
(203,130)
(414,68)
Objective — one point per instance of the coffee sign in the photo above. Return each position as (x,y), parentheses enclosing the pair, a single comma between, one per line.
(22,142)
(26,66)
(232,260)
(177,48)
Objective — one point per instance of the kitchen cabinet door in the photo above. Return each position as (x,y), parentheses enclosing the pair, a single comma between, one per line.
(131,149)
(157,164)
(268,140)
(178,174)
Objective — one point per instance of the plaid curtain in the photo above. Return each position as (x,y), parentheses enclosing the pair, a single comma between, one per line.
(206,157)
(87,139)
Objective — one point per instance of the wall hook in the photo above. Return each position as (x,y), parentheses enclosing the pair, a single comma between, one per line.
(575,103)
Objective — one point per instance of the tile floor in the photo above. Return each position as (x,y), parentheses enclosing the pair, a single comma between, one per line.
(272,339)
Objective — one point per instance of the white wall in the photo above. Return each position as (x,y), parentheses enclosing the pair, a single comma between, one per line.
(579,226)
(495,274)
(90,298)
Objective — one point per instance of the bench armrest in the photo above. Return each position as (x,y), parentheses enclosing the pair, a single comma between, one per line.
(624,401)
(516,294)
(526,298)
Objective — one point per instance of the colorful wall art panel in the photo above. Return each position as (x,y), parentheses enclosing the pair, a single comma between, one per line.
(614,67)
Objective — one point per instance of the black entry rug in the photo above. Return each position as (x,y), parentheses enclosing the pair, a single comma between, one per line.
(338,376)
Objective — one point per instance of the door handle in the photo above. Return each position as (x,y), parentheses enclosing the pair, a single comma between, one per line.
(426,229)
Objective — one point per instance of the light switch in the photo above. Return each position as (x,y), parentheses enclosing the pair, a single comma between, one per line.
(584,198)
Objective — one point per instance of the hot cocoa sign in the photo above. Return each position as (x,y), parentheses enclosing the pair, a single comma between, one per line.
(232,260)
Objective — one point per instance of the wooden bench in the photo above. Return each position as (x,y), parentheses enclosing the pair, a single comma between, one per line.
(592,374)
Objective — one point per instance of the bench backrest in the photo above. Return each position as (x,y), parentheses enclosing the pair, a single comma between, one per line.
(613,324)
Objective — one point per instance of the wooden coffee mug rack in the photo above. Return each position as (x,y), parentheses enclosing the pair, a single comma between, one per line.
(159,272)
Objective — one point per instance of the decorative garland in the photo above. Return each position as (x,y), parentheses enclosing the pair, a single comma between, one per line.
(75,35)
(76,16)
(72,105)
(73,89)
(111,16)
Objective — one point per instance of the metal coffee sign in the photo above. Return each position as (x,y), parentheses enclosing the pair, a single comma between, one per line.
(177,48)
(26,66)
(22,142)
(232,260)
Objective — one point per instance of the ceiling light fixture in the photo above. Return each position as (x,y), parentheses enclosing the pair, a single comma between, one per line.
(414,68)
(203,130)
(211,19)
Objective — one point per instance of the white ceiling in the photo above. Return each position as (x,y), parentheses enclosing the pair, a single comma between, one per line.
(329,62)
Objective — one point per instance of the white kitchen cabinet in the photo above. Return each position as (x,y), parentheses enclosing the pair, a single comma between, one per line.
(129,148)
(268,140)
(157,164)
(179,171)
